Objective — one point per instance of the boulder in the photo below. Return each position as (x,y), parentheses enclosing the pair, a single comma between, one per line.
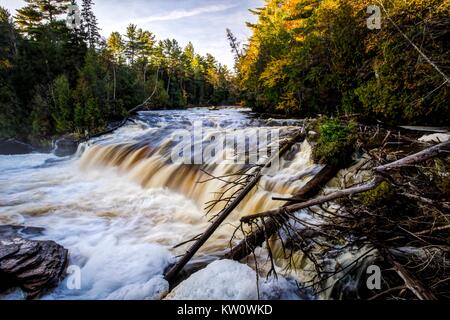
(66,146)
(33,266)
(10,147)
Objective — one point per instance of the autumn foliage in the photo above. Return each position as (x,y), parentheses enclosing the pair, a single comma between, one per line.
(307,57)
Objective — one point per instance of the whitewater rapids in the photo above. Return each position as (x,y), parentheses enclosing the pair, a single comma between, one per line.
(119,206)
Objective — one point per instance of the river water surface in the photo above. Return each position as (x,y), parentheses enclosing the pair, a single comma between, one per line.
(119,206)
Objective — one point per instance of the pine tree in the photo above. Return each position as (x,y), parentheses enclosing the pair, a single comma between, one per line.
(146,45)
(40,115)
(63,108)
(235,45)
(38,13)
(90,25)
(132,44)
(116,46)
(8,48)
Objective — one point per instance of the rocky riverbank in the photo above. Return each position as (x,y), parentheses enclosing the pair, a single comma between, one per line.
(33,266)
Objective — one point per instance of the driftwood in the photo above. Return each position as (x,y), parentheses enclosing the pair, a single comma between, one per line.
(380,172)
(358,223)
(272,225)
(413,284)
(176,269)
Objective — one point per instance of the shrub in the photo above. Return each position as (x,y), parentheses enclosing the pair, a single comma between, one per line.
(377,196)
(336,141)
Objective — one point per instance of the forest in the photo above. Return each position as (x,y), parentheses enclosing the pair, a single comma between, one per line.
(309,57)
(305,57)
(351,202)
(55,79)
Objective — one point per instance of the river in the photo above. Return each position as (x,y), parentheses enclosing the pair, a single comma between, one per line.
(120,206)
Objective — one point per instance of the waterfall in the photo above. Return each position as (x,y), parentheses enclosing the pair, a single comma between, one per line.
(152,168)
(121,203)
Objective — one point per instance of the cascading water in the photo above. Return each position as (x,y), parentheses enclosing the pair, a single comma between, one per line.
(120,205)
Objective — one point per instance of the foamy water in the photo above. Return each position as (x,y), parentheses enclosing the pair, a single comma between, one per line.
(120,207)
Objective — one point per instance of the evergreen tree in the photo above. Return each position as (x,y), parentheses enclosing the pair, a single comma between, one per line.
(66,87)
(38,13)
(235,45)
(41,123)
(132,43)
(8,39)
(116,47)
(89,23)
(62,114)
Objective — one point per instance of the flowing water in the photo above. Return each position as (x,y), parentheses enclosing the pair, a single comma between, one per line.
(120,205)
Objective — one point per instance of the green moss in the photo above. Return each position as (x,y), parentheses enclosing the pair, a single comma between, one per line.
(444,184)
(336,141)
(377,196)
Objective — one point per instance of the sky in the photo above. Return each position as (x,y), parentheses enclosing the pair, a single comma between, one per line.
(203,22)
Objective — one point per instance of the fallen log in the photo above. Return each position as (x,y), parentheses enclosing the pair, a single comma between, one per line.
(314,202)
(272,225)
(429,153)
(413,284)
(380,172)
(176,269)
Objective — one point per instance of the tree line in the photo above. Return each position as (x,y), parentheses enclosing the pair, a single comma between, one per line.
(308,57)
(57,79)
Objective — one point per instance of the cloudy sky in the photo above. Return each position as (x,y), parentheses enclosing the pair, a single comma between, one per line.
(201,21)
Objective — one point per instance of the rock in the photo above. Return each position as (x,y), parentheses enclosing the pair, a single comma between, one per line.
(65,146)
(10,147)
(7,231)
(33,266)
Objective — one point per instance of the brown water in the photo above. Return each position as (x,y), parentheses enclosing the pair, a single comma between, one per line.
(120,204)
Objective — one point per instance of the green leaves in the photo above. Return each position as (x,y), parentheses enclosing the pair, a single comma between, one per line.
(322,56)
(336,141)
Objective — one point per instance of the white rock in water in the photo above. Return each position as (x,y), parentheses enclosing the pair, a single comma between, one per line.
(436,137)
(231,280)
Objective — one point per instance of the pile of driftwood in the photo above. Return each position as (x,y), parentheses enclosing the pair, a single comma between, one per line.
(397,219)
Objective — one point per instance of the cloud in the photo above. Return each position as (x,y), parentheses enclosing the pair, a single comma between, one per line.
(179,14)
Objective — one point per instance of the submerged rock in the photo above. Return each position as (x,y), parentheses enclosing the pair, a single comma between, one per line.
(7,231)
(33,266)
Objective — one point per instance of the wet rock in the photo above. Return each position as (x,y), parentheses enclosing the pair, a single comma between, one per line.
(65,146)
(19,231)
(33,266)
(312,134)
(10,147)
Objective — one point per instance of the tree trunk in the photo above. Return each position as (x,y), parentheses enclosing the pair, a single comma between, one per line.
(114,82)
(272,225)
(175,270)
(442,148)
